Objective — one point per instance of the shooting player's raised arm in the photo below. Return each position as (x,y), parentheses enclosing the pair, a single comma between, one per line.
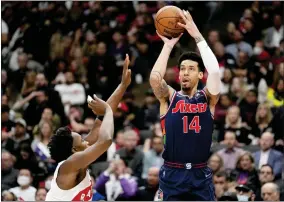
(160,88)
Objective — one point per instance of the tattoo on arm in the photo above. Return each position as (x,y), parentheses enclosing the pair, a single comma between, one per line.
(159,86)
(198,39)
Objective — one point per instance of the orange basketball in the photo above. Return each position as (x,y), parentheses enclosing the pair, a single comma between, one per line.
(166,21)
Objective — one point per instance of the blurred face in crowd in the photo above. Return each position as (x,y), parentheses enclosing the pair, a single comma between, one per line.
(233,114)
(40,80)
(230,139)
(101,49)
(41,97)
(67,41)
(266,141)
(236,85)
(4,116)
(46,130)
(132,38)
(3,76)
(243,194)
(242,58)
(47,114)
(90,36)
(258,47)
(69,78)
(130,140)
(30,78)
(270,192)
(117,37)
(170,75)
(262,111)
(153,177)
(22,60)
(227,75)
(149,100)
(220,181)
(214,162)
(24,178)
(213,36)
(225,100)
(280,86)
(89,122)
(19,130)
(119,167)
(246,162)
(119,138)
(4,100)
(251,97)
(248,25)
(238,37)
(158,144)
(6,161)
(266,174)
(219,49)
(247,13)
(8,196)
(40,194)
(277,21)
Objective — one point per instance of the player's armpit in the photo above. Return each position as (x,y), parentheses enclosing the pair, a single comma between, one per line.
(212,99)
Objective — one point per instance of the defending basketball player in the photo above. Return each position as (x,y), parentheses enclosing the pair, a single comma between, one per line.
(73,154)
(187,119)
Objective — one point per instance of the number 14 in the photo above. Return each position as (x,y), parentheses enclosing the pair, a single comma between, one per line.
(194,125)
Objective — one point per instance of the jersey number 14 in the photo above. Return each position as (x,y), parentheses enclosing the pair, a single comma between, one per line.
(194,124)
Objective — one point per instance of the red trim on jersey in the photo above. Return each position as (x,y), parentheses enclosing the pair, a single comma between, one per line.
(85,195)
(173,97)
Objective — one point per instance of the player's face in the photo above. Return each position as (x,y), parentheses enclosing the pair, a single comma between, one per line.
(79,144)
(189,74)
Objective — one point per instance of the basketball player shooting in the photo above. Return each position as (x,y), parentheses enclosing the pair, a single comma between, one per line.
(187,119)
(73,154)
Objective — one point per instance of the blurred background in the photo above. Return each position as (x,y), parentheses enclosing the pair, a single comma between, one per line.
(54,54)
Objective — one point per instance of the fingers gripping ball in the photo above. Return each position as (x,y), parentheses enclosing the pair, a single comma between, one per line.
(166,21)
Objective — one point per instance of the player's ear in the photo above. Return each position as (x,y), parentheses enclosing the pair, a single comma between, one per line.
(200,75)
(74,150)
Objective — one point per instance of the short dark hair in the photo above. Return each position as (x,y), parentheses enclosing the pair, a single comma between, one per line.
(267,165)
(194,57)
(222,174)
(61,144)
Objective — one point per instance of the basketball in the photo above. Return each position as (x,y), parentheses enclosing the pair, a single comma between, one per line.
(166,22)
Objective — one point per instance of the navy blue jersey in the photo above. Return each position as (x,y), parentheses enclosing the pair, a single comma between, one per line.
(187,128)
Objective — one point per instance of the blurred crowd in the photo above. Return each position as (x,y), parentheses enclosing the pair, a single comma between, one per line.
(54,54)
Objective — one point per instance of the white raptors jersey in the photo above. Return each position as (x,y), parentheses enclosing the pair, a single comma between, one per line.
(81,192)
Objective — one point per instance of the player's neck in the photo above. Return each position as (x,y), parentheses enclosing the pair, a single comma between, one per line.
(189,92)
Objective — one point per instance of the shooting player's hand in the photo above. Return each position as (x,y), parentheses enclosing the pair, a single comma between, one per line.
(97,105)
(126,74)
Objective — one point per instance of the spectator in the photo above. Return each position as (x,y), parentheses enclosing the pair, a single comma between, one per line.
(239,44)
(270,192)
(8,196)
(231,153)
(226,81)
(221,110)
(267,155)
(6,123)
(4,33)
(29,83)
(234,123)
(244,193)
(215,162)
(8,172)
(71,93)
(19,136)
(130,154)
(24,192)
(153,157)
(115,183)
(276,96)
(245,173)
(274,34)
(40,194)
(266,174)
(213,37)
(116,145)
(248,107)
(220,183)
(263,118)
(148,192)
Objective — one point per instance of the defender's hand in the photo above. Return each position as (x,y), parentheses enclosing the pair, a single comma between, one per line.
(97,105)
(189,24)
(169,42)
(126,73)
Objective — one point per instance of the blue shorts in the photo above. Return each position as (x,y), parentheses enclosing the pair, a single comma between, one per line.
(181,184)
